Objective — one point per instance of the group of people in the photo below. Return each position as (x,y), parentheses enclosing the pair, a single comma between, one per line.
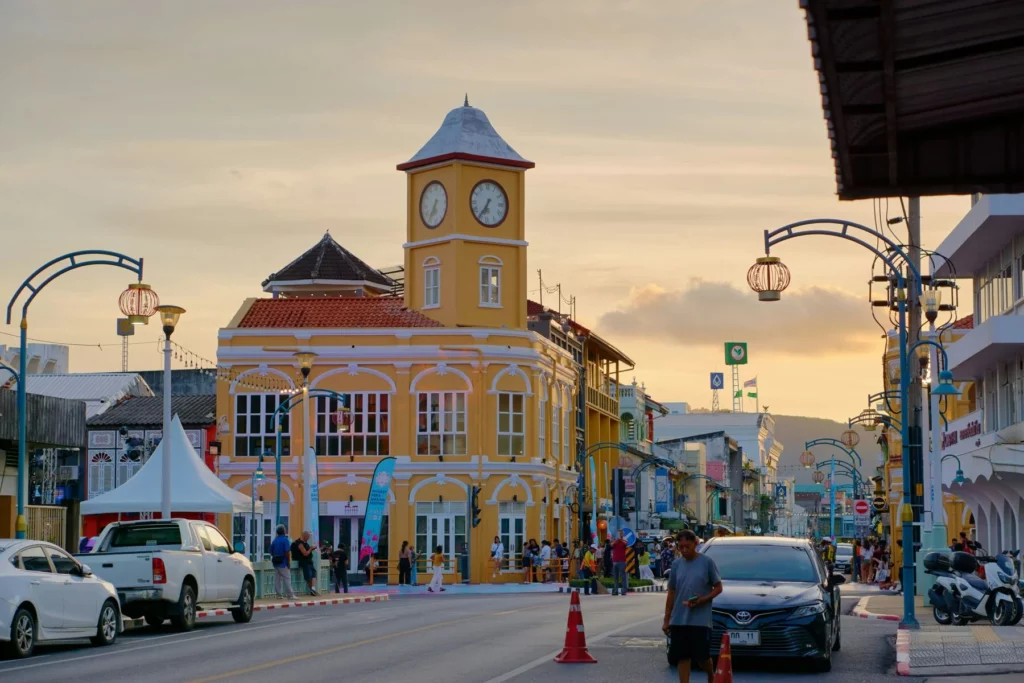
(962,544)
(872,563)
(542,562)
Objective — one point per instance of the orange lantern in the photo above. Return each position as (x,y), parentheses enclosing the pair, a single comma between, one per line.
(850,438)
(602,525)
(818,477)
(138,303)
(807,459)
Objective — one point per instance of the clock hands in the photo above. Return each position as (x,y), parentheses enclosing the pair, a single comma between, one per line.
(433,209)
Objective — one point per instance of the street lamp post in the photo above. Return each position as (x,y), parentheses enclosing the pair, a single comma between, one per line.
(169,316)
(257,479)
(310,492)
(33,284)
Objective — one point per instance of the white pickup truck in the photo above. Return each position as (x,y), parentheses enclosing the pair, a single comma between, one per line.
(168,568)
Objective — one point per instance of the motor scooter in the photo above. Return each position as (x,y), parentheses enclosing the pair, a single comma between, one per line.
(969,588)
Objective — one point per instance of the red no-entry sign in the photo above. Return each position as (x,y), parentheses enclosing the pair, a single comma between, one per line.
(860,507)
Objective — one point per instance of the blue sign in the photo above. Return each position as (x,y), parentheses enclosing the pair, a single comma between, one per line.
(780,492)
(376,504)
(717,380)
(628,536)
(662,490)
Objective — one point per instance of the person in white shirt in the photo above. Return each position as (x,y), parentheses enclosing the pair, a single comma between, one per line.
(497,552)
(545,559)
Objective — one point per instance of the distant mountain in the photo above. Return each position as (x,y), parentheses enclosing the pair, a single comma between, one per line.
(794,431)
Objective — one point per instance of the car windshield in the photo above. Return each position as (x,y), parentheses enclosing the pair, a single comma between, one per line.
(144,535)
(844,549)
(762,562)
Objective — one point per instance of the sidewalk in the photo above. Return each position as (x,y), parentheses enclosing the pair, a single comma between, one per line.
(268,604)
(934,650)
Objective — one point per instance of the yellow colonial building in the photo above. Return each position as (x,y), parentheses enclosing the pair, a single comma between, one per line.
(436,363)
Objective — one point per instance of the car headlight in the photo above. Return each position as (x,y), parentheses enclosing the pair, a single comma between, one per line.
(809,610)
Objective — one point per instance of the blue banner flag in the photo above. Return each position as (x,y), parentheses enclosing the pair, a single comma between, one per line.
(593,498)
(376,505)
(662,489)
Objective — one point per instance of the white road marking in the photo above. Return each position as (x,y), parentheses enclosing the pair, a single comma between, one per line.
(547,658)
(149,645)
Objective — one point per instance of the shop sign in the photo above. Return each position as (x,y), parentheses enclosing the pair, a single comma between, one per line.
(961,436)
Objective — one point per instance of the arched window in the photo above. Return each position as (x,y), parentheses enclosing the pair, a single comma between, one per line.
(431,282)
(101,474)
(490,282)
(127,465)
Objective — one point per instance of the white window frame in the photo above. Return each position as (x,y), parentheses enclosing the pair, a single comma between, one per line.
(367,427)
(542,424)
(490,282)
(264,434)
(508,434)
(511,539)
(444,423)
(556,424)
(567,424)
(102,470)
(128,463)
(432,282)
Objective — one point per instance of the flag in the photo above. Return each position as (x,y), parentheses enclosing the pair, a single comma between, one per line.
(751,394)
(738,394)
(750,383)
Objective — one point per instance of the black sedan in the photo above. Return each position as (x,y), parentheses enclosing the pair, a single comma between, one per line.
(778,599)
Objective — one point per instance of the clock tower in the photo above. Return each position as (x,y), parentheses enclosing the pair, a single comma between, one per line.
(465,255)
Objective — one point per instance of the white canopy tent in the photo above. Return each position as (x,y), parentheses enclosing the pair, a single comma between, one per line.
(194,488)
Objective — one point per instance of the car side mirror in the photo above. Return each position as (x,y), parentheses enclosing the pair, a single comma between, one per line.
(240,547)
(82,570)
(837,579)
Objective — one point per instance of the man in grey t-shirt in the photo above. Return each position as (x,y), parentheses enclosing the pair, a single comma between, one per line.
(693,584)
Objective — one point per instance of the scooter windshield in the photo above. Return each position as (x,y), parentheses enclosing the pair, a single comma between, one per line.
(1005,565)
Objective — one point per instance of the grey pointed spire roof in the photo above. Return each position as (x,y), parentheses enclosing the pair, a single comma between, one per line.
(328,262)
(466,134)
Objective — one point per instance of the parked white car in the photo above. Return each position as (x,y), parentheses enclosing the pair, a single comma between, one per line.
(45,594)
(168,568)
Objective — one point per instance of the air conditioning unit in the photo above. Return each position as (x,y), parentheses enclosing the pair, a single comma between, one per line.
(67,473)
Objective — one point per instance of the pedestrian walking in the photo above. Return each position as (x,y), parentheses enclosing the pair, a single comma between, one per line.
(668,556)
(405,564)
(526,558)
(644,561)
(497,552)
(414,557)
(606,558)
(545,561)
(303,555)
(438,564)
(619,578)
(694,583)
(340,562)
(280,559)
(855,569)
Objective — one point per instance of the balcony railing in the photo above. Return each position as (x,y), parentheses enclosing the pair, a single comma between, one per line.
(603,402)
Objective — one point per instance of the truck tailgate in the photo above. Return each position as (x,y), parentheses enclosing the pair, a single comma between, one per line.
(124,570)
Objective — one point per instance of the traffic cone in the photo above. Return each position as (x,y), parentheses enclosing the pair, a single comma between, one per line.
(723,672)
(575,649)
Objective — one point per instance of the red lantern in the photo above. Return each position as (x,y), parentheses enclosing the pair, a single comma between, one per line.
(818,477)
(602,525)
(138,303)
(850,438)
(807,459)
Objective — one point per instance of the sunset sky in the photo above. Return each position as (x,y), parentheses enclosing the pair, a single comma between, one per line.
(220,139)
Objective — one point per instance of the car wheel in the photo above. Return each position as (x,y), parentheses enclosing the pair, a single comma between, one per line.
(243,613)
(185,619)
(107,628)
(824,665)
(23,634)
(839,634)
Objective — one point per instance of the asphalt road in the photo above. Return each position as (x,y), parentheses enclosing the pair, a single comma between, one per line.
(457,639)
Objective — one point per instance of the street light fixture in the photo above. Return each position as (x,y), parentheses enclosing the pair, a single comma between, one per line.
(305,360)
(930,301)
(310,486)
(169,316)
(945,387)
(257,479)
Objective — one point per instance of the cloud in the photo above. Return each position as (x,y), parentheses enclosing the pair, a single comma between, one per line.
(812,322)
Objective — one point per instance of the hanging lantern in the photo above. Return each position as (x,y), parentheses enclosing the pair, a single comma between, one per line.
(850,438)
(138,303)
(807,459)
(818,477)
(769,276)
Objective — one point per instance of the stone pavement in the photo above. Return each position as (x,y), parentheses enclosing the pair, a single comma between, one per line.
(947,650)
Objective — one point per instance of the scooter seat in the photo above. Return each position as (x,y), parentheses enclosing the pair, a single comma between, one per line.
(938,572)
(975,582)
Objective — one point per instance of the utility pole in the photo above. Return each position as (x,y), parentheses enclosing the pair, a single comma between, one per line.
(912,411)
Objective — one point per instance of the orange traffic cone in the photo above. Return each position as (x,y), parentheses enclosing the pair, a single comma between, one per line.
(723,672)
(575,650)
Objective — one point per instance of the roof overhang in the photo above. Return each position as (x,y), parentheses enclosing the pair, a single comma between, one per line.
(991,224)
(463,156)
(921,98)
(272,286)
(985,346)
(609,351)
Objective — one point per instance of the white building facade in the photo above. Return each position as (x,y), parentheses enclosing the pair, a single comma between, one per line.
(987,445)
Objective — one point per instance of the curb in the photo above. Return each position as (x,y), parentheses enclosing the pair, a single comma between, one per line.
(639,589)
(132,624)
(861,610)
(903,652)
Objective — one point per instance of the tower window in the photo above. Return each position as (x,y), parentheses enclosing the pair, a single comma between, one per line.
(490,282)
(431,283)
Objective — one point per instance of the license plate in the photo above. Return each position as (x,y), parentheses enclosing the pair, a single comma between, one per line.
(745,638)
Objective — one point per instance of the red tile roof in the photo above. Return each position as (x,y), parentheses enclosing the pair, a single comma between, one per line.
(333,312)
(966,323)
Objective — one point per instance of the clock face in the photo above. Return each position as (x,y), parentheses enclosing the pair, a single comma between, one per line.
(433,204)
(489,203)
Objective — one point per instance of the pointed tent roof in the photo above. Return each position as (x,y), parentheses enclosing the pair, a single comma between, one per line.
(327,262)
(194,488)
(467,134)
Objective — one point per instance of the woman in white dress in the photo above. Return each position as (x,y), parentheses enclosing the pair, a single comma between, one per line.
(497,552)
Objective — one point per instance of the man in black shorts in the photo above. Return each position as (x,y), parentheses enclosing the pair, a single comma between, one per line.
(694,583)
